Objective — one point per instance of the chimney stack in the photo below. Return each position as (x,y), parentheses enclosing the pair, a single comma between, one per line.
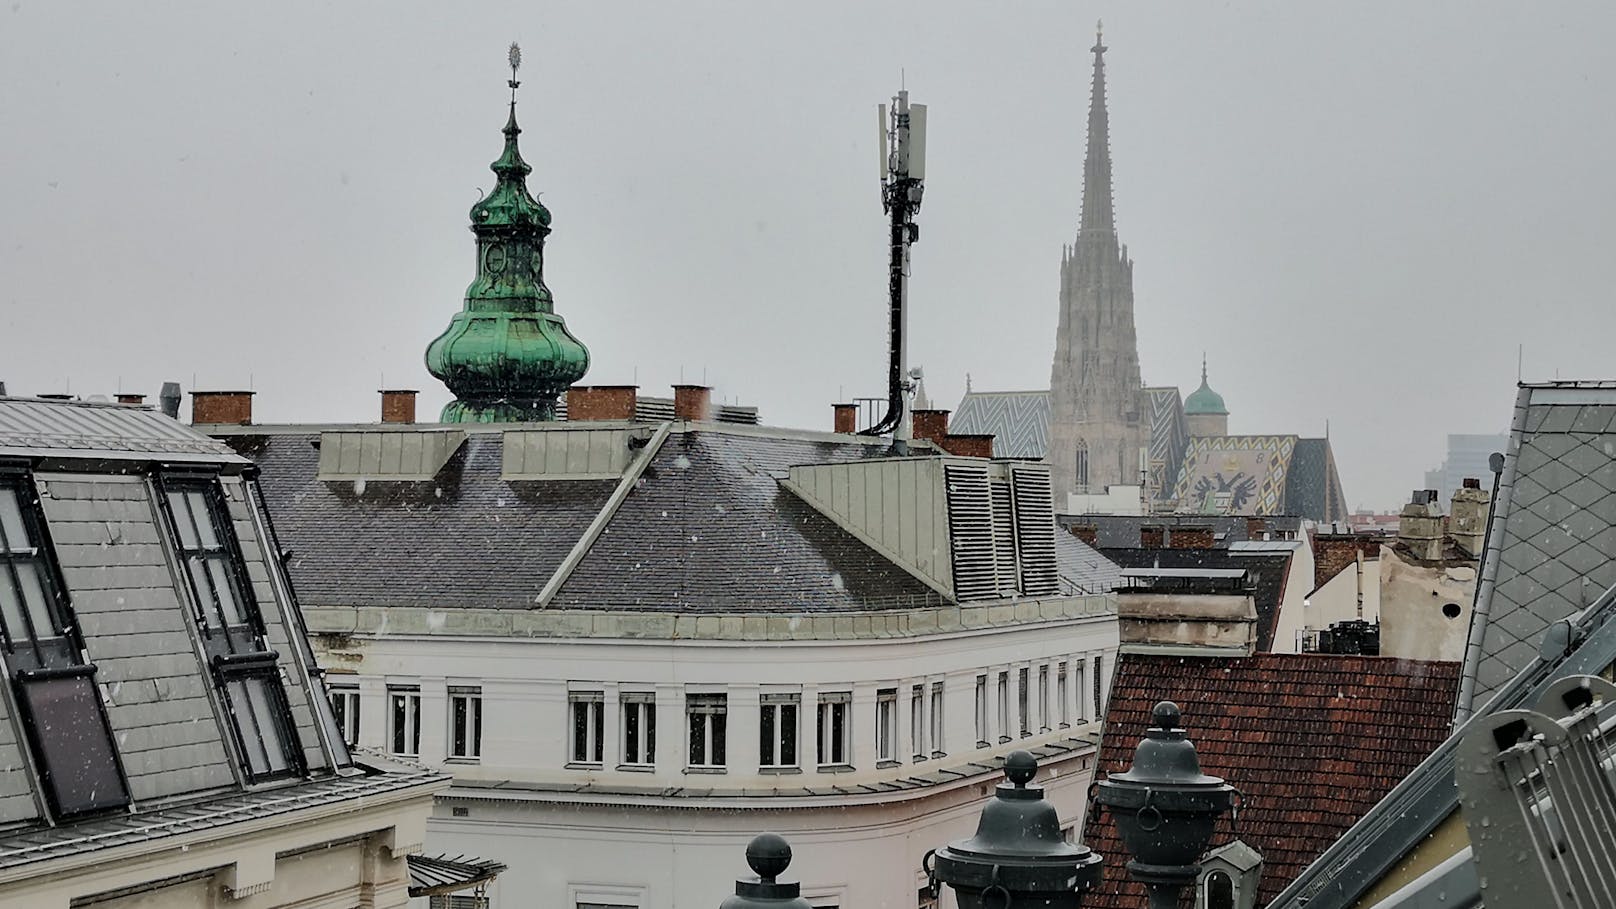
(1419,527)
(601,402)
(2,389)
(221,407)
(130,398)
(931,425)
(969,445)
(398,405)
(1468,524)
(169,399)
(846,418)
(692,402)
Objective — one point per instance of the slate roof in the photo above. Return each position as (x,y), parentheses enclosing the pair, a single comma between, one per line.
(1312,742)
(1553,544)
(707,528)
(1017,420)
(1268,574)
(1314,488)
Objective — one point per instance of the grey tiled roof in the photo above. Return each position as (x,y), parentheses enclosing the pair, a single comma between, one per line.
(467,538)
(1553,545)
(1313,489)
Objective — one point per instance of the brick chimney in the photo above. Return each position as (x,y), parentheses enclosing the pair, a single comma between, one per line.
(968,445)
(1468,523)
(601,402)
(931,425)
(1419,527)
(398,405)
(1088,533)
(221,407)
(846,418)
(1190,538)
(692,402)
(1213,616)
(124,398)
(1152,536)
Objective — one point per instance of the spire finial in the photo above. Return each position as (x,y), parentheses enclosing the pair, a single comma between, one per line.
(515,56)
(1203,367)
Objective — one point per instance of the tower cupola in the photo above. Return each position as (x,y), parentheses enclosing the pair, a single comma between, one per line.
(1204,411)
(507,355)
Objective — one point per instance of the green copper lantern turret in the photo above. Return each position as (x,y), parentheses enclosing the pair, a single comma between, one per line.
(507,355)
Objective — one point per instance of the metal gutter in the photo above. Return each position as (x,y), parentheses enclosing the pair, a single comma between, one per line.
(1498,516)
(631,478)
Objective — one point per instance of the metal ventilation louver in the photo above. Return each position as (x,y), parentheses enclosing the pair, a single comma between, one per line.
(970,531)
(1004,538)
(1035,529)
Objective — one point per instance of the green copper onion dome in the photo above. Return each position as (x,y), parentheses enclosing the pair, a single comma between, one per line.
(507,355)
(1204,400)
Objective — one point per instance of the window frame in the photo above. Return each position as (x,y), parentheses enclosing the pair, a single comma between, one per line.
(936,720)
(239,652)
(346,719)
(640,706)
(586,728)
(917,723)
(713,709)
(833,727)
(411,726)
(982,730)
(779,731)
(32,680)
(886,726)
(472,719)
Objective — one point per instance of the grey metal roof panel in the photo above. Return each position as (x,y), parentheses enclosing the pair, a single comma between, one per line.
(1082,568)
(709,528)
(467,538)
(32,427)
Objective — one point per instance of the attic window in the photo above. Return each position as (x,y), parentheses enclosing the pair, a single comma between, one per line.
(54,686)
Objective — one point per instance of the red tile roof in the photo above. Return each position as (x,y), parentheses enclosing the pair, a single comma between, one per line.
(1312,741)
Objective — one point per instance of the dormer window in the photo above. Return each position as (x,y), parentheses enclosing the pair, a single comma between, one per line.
(1228,877)
(245,670)
(53,683)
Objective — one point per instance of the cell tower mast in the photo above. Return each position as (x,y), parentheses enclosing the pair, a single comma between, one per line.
(903,175)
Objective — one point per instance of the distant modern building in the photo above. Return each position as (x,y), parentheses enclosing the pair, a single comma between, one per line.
(1468,458)
(1114,445)
(165,738)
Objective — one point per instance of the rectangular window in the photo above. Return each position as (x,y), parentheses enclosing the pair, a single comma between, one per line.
(917,721)
(981,711)
(777,730)
(886,724)
(1043,698)
(639,728)
(1004,707)
(937,719)
(1099,666)
(588,726)
(345,712)
(55,689)
(707,715)
(835,729)
(404,720)
(1079,666)
(465,723)
(245,670)
(1063,693)
(1024,724)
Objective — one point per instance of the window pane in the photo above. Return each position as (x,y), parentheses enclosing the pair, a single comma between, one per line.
(788,734)
(400,738)
(766,738)
(204,519)
(183,522)
(36,600)
(204,590)
(219,572)
(11,526)
(252,745)
(698,738)
(580,731)
(717,721)
(631,733)
(457,740)
(268,714)
(11,608)
(77,761)
(476,727)
(598,715)
(650,733)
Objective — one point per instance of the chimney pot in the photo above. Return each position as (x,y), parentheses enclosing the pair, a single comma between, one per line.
(398,405)
(601,402)
(169,399)
(127,398)
(221,407)
(846,418)
(692,402)
(1472,483)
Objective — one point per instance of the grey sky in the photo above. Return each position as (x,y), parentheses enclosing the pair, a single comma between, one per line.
(1359,215)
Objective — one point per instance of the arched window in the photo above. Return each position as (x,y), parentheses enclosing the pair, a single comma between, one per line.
(1219,891)
(1083,464)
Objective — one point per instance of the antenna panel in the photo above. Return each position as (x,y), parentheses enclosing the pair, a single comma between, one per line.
(881,143)
(917,141)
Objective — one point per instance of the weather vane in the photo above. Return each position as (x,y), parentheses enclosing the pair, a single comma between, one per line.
(516,64)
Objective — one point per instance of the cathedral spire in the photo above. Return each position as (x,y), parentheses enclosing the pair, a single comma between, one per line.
(1097,211)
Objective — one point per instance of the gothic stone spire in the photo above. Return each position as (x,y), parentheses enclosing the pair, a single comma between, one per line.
(1097,206)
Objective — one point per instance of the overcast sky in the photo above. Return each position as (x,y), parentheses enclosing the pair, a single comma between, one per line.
(1359,216)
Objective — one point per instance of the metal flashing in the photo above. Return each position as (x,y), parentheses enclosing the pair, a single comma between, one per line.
(405,456)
